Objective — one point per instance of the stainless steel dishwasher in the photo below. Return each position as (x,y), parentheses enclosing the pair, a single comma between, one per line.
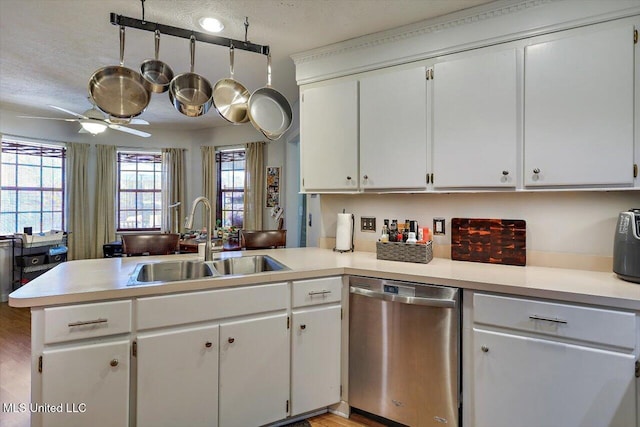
(404,346)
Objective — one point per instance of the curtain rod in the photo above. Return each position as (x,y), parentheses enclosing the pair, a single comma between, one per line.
(32,139)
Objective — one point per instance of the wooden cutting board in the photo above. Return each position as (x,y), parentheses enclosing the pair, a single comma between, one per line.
(495,241)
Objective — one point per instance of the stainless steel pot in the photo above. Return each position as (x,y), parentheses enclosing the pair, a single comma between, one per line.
(230,97)
(269,111)
(119,91)
(190,93)
(156,74)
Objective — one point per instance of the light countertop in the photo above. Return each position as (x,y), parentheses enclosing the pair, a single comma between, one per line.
(107,278)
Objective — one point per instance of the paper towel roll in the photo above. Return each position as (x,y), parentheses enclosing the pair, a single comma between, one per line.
(344,232)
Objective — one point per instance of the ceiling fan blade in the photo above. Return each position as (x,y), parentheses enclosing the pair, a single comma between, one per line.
(48,118)
(138,122)
(113,121)
(80,116)
(131,131)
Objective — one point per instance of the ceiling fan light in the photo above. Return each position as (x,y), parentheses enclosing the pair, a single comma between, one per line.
(212,25)
(93,127)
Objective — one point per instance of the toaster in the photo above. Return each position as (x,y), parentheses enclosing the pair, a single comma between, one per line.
(626,246)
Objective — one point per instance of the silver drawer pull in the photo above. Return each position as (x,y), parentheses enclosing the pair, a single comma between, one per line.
(323,292)
(548,319)
(88,322)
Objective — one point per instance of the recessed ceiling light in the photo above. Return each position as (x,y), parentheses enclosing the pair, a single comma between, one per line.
(211,25)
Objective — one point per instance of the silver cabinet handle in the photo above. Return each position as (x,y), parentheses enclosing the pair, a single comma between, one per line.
(322,292)
(114,362)
(484,349)
(547,319)
(536,171)
(88,322)
(505,173)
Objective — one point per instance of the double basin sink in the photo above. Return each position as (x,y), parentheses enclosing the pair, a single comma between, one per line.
(172,271)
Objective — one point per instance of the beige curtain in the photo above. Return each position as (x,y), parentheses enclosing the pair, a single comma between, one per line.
(105,194)
(173,184)
(79,239)
(209,179)
(254,185)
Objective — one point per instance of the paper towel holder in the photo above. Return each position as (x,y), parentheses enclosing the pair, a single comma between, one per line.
(353,226)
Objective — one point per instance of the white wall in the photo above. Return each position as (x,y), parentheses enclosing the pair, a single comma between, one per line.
(557,222)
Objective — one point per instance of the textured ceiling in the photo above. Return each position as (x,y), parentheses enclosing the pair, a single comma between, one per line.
(50,48)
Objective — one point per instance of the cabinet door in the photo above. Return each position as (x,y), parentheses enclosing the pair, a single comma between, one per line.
(528,382)
(89,383)
(329,137)
(579,110)
(177,376)
(475,121)
(393,130)
(315,358)
(254,371)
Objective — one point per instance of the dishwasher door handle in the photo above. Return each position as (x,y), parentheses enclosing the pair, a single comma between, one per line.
(431,302)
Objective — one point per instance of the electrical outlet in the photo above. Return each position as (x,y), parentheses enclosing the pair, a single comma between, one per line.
(368,224)
(438,226)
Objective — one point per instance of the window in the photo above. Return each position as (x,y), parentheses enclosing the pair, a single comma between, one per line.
(139,191)
(230,165)
(32,189)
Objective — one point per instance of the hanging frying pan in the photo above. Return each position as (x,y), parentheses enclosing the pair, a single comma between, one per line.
(269,111)
(117,90)
(191,93)
(156,74)
(230,97)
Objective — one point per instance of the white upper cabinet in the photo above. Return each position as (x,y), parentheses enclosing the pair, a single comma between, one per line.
(393,130)
(475,128)
(578,109)
(329,137)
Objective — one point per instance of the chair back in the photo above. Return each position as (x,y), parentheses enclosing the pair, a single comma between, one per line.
(263,239)
(149,244)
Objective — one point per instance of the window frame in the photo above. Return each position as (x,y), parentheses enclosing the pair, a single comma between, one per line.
(233,152)
(154,157)
(42,150)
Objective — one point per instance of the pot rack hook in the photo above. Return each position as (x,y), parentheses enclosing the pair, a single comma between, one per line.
(142,4)
(246,28)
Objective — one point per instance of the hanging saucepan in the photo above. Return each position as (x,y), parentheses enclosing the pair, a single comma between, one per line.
(119,91)
(156,74)
(191,93)
(230,98)
(269,111)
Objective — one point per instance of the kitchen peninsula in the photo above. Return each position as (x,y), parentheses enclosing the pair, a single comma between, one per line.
(132,337)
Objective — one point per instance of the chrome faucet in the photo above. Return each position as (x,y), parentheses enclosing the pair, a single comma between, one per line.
(188,224)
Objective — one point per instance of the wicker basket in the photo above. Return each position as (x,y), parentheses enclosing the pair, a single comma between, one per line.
(407,252)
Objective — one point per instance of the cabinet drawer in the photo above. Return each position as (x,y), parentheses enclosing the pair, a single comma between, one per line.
(317,291)
(166,310)
(86,321)
(596,325)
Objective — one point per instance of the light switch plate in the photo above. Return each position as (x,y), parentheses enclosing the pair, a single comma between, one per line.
(368,224)
(438,227)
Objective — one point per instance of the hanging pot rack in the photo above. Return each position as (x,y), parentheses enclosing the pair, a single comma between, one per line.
(141,24)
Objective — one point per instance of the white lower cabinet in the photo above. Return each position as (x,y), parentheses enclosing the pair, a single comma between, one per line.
(315,358)
(534,364)
(254,371)
(177,377)
(530,382)
(86,385)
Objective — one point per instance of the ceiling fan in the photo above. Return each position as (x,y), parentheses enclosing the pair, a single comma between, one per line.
(94,122)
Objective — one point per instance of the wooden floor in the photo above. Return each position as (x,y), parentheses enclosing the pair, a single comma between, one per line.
(15,355)
(15,372)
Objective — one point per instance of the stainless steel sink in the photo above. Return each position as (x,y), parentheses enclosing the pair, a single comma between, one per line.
(247,265)
(173,271)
